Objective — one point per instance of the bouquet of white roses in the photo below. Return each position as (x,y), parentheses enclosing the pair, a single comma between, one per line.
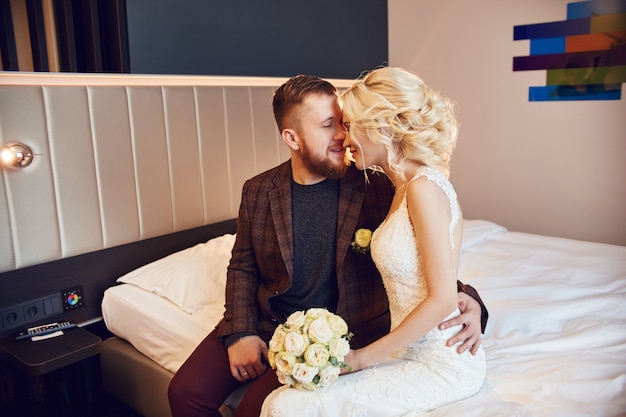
(307,351)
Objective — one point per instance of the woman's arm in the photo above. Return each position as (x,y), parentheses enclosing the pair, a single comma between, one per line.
(430,215)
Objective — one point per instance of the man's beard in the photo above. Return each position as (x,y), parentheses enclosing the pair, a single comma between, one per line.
(322,166)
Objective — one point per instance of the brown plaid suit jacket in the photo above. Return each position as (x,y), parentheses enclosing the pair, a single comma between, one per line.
(262,261)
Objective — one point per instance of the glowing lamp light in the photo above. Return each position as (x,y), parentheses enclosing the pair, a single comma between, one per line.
(16,155)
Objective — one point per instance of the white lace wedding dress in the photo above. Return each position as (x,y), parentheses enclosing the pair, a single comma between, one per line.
(421,377)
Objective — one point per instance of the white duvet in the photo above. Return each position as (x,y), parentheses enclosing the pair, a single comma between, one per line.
(555,341)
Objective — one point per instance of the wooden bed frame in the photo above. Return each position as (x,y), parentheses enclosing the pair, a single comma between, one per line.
(141,383)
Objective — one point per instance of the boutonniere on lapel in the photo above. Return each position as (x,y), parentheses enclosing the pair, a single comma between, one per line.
(361,242)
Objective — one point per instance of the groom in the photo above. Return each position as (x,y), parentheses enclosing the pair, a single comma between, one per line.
(293,251)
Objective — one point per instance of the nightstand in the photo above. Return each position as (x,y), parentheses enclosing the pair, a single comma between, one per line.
(53,377)
(43,356)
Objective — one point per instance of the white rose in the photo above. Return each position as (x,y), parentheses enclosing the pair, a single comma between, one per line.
(328,376)
(337,325)
(285,379)
(278,339)
(316,355)
(271,357)
(295,320)
(320,331)
(315,313)
(339,348)
(304,373)
(296,343)
(285,363)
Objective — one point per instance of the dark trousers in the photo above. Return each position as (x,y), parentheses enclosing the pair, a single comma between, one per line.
(204,381)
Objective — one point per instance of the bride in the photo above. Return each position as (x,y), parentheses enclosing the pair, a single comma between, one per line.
(397,123)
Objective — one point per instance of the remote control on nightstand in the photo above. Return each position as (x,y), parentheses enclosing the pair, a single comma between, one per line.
(44,329)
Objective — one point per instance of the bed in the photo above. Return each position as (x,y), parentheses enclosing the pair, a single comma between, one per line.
(555,340)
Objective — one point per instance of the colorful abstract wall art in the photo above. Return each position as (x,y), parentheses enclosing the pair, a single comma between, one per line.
(584,56)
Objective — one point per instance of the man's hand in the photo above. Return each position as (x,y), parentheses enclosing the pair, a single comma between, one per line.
(470,319)
(248,358)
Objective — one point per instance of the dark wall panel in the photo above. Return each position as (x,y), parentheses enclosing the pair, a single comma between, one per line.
(8,49)
(329,38)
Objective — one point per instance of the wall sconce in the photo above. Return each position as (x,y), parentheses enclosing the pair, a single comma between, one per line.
(16,155)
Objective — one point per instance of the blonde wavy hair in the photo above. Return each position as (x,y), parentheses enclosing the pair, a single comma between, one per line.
(395,107)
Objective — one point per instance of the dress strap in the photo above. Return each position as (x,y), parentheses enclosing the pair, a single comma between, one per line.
(434,175)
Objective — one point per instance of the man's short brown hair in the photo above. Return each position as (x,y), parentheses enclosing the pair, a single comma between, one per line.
(293,92)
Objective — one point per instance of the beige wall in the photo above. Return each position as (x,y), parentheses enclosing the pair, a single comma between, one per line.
(549,168)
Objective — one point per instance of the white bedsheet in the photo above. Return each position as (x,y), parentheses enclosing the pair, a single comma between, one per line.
(155,326)
(555,340)
(556,336)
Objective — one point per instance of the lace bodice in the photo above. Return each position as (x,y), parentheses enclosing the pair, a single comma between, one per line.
(394,248)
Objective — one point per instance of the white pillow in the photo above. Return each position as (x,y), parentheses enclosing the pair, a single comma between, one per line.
(476,232)
(192,278)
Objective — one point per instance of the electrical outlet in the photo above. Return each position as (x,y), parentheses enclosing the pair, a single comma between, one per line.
(31,311)
(12,317)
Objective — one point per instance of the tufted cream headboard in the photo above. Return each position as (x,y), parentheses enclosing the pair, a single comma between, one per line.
(125,158)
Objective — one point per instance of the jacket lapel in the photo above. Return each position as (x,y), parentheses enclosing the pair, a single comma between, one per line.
(351,195)
(280,203)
